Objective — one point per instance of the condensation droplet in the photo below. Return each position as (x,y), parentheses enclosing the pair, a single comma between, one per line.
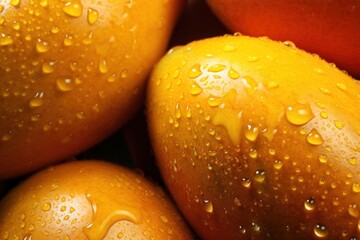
(73,8)
(5,39)
(272,85)
(299,115)
(309,203)
(164,219)
(46,207)
(259,176)
(48,67)
(352,161)
(195,89)
(42,46)
(253,154)
(195,71)
(353,210)
(314,138)
(251,133)
(233,74)
(37,100)
(229,48)
(341,86)
(356,187)
(103,67)
(6,137)
(64,84)
(44,3)
(15,3)
(250,85)
(92,16)
(278,164)
(339,124)
(68,40)
(323,158)
(208,206)
(55,29)
(216,68)
(320,230)
(246,182)
(324,115)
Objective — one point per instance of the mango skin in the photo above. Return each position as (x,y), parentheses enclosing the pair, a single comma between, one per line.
(257,139)
(72,73)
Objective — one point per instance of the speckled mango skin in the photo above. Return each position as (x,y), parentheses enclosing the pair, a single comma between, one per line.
(257,139)
(72,73)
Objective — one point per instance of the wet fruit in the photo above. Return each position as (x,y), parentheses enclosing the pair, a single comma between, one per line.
(257,139)
(89,200)
(72,72)
(328,28)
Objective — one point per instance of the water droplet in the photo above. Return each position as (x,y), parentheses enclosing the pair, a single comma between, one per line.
(320,230)
(44,3)
(324,115)
(272,85)
(35,117)
(42,46)
(103,68)
(16,26)
(353,210)
(230,48)
(73,8)
(237,202)
(64,84)
(208,206)
(5,39)
(314,138)
(88,38)
(46,207)
(278,164)
(246,182)
(272,152)
(164,219)
(106,214)
(289,44)
(259,176)
(15,3)
(309,203)
(6,137)
(124,74)
(299,115)
(253,154)
(233,74)
(55,29)
(250,85)
(216,68)
(195,71)
(195,89)
(323,158)
(341,86)
(352,161)
(325,91)
(92,16)
(252,58)
(68,40)
(251,132)
(356,187)
(339,124)
(48,67)
(37,100)
(255,227)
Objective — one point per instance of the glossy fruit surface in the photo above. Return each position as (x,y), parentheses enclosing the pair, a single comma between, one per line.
(328,28)
(89,200)
(72,72)
(257,139)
